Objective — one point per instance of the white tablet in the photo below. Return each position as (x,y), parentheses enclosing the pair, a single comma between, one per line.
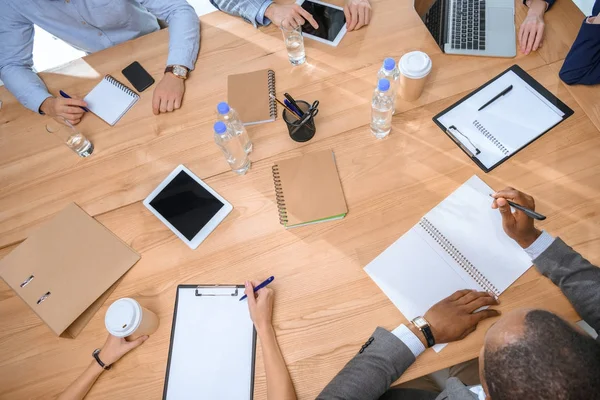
(188,206)
(331,20)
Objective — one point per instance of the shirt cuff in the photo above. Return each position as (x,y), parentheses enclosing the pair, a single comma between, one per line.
(409,339)
(540,245)
(36,101)
(260,17)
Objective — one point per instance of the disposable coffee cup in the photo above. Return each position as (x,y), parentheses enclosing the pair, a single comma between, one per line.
(414,69)
(127,318)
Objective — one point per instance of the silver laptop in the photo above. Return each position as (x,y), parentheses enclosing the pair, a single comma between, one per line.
(471,27)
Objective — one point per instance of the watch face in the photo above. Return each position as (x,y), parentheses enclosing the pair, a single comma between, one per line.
(420,322)
(178,70)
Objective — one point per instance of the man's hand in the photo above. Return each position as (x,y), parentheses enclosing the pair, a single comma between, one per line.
(289,16)
(517,225)
(168,94)
(453,319)
(115,348)
(358,14)
(260,305)
(69,109)
(531,33)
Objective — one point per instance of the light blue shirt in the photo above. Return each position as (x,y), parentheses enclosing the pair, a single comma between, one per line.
(260,17)
(89,25)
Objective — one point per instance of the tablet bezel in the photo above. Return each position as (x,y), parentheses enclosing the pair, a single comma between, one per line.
(340,34)
(211,224)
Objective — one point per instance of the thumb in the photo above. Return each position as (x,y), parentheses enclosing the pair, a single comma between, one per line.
(137,342)
(508,219)
(249,291)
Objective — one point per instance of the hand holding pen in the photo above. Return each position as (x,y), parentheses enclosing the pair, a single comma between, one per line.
(261,307)
(518,225)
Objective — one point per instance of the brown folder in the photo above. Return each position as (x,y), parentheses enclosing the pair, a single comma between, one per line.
(249,94)
(67,268)
(308,190)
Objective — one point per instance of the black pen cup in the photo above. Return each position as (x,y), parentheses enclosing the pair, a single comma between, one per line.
(300,129)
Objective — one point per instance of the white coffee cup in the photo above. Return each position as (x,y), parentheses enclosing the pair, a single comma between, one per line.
(127,318)
(414,69)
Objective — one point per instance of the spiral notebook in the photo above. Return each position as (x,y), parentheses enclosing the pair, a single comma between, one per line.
(249,95)
(460,244)
(509,124)
(308,190)
(110,100)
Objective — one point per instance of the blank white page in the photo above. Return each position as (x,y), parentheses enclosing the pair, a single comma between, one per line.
(212,352)
(110,100)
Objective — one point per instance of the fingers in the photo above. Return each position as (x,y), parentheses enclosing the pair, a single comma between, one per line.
(538,37)
(351,23)
(361,18)
(483,301)
(306,15)
(520,36)
(137,342)
(516,196)
(458,294)
(530,40)
(472,295)
(163,105)
(249,291)
(523,34)
(177,104)
(484,314)
(155,103)
(348,16)
(75,102)
(170,105)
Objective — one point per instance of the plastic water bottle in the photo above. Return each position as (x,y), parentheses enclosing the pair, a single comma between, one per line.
(381,110)
(390,71)
(232,148)
(232,120)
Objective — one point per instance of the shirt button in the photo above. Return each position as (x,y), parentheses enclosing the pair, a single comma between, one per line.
(67,1)
(99,33)
(83,23)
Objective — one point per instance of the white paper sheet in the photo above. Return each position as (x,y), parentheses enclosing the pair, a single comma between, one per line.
(110,100)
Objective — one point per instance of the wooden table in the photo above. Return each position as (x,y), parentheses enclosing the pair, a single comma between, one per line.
(326,306)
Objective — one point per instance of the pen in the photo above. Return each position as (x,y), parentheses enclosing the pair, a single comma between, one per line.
(294,104)
(502,93)
(284,106)
(66,96)
(527,211)
(290,106)
(262,285)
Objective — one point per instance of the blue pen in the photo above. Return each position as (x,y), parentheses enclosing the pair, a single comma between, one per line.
(291,106)
(66,96)
(262,285)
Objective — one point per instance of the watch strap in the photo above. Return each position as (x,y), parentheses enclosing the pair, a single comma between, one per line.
(171,68)
(426,330)
(96,355)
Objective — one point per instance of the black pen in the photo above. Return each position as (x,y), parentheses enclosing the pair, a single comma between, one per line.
(291,100)
(66,96)
(502,93)
(527,211)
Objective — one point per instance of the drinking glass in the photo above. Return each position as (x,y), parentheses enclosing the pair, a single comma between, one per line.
(74,139)
(294,43)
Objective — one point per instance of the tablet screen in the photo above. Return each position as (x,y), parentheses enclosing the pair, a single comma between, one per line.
(330,20)
(186,205)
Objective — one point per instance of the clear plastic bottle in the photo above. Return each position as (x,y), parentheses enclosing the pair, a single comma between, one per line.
(232,120)
(381,110)
(232,148)
(390,71)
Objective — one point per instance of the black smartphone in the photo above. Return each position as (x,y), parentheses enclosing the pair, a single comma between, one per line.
(138,76)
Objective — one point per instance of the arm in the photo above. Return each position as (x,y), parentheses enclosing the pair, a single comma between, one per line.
(385,356)
(531,32)
(247,9)
(263,12)
(582,64)
(577,278)
(111,352)
(279,382)
(358,14)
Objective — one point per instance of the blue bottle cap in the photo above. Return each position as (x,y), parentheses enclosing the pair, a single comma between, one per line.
(223,108)
(220,128)
(383,85)
(389,64)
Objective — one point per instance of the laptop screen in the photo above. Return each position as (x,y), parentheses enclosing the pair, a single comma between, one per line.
(434,15)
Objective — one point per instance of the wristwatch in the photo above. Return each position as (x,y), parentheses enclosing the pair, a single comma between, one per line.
(422,325)
(178,70)
(96,356)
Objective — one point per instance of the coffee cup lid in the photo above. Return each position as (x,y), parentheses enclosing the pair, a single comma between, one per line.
(415,65)
(123,317)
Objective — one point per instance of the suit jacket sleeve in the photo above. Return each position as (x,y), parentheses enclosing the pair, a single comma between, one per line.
(372,371)
(247,9)
(576,277)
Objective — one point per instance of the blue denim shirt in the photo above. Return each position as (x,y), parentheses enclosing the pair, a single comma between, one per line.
(89,25)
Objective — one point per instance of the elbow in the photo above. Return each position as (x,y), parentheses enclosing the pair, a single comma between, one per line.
(569,77)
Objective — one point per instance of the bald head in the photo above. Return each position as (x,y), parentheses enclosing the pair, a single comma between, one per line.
(534,354)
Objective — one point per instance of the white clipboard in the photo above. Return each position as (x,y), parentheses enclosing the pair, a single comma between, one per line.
(213,345)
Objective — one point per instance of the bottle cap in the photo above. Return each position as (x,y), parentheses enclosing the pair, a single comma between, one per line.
(123,317)
(383,85)
(389,64)
(220,127)
(415,65)
(223,108)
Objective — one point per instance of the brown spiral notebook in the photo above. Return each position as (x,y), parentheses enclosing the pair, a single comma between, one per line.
(308,190)
(249,94)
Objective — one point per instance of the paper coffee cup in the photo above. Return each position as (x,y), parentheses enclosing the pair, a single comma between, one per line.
(414,69)
(127,318)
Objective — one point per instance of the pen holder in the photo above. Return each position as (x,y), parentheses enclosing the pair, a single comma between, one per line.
(300,130)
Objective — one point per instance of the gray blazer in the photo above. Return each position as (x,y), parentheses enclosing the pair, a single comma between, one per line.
(384,357)
(247,9)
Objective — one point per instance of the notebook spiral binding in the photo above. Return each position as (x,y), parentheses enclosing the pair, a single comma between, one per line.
(272,102)
(283,218)
(458,257)
(491,137)
(124,88)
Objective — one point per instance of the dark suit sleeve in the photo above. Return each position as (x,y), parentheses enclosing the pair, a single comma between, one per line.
(576,277)
(372,371)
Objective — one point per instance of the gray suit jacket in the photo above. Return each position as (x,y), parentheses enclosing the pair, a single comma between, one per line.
(247,9)
(384,357)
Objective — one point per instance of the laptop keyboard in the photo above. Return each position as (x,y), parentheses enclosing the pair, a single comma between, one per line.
(433,22)
(468,24)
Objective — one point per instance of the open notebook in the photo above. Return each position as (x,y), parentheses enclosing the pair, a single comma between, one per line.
(249,94)
(110,100)
(508,124)
(460,244)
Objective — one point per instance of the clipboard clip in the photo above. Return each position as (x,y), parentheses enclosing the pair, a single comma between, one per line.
(217,290)
(471,153)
